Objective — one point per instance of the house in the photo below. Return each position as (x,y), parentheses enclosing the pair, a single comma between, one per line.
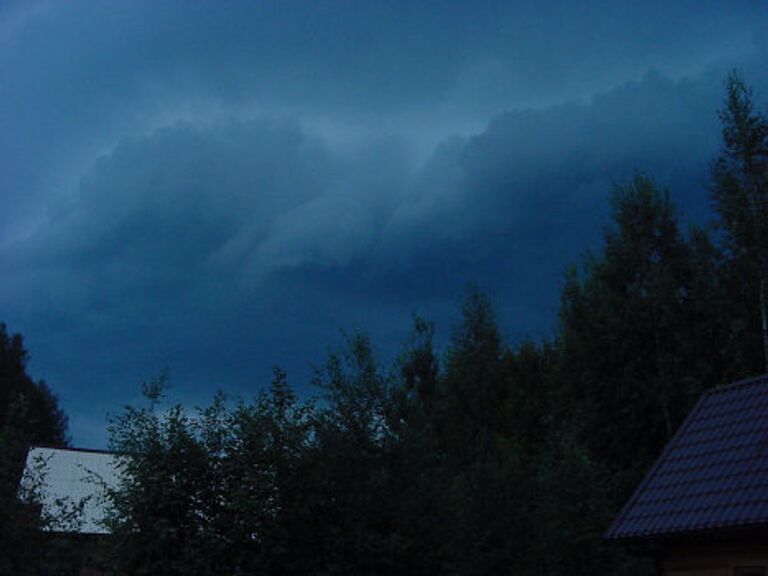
(702,509)
(69,485)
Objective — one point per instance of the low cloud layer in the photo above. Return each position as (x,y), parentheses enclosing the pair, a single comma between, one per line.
(227,194)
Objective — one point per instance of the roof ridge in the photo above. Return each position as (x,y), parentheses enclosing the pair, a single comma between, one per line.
(72,449)
(761,379)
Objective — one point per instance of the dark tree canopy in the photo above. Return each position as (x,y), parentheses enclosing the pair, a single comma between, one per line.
(740,174)
(740,193)
(28,406)
(29,414)
(631,362)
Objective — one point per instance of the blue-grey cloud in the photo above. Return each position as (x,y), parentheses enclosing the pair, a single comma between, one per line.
(81,76)
(224,189)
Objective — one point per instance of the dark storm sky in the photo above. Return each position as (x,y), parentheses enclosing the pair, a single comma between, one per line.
(218,187)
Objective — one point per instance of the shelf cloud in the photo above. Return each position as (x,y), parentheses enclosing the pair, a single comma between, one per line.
(217,188)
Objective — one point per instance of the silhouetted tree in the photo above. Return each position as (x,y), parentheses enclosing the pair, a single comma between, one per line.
(639,338)
(740,193)
(29,414)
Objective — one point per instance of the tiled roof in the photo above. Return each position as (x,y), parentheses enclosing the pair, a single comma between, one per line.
(713,474)
(73,476)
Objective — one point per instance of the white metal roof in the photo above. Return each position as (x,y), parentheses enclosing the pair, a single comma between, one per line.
(74,476)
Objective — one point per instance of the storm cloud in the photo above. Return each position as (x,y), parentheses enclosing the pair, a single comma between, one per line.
(215,189)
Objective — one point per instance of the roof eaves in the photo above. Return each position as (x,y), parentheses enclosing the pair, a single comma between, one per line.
(610,534)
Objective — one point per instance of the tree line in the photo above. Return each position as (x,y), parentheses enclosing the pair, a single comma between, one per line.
(484,458)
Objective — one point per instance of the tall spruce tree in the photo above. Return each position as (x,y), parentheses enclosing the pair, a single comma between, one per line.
(472,388)
(638,339)
(740,193)
(485,477)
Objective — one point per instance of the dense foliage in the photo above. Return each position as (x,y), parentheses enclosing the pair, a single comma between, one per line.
(457,466)
(740,192)
(29,414)
(640,335)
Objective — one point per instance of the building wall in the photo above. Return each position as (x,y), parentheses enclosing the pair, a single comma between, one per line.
(716,559)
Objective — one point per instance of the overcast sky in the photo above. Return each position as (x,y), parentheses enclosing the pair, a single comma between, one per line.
(214,188)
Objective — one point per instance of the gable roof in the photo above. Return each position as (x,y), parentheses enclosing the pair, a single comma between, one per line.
(712,475)
(74,476)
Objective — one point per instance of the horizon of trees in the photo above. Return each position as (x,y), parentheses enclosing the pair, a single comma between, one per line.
(485,458)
